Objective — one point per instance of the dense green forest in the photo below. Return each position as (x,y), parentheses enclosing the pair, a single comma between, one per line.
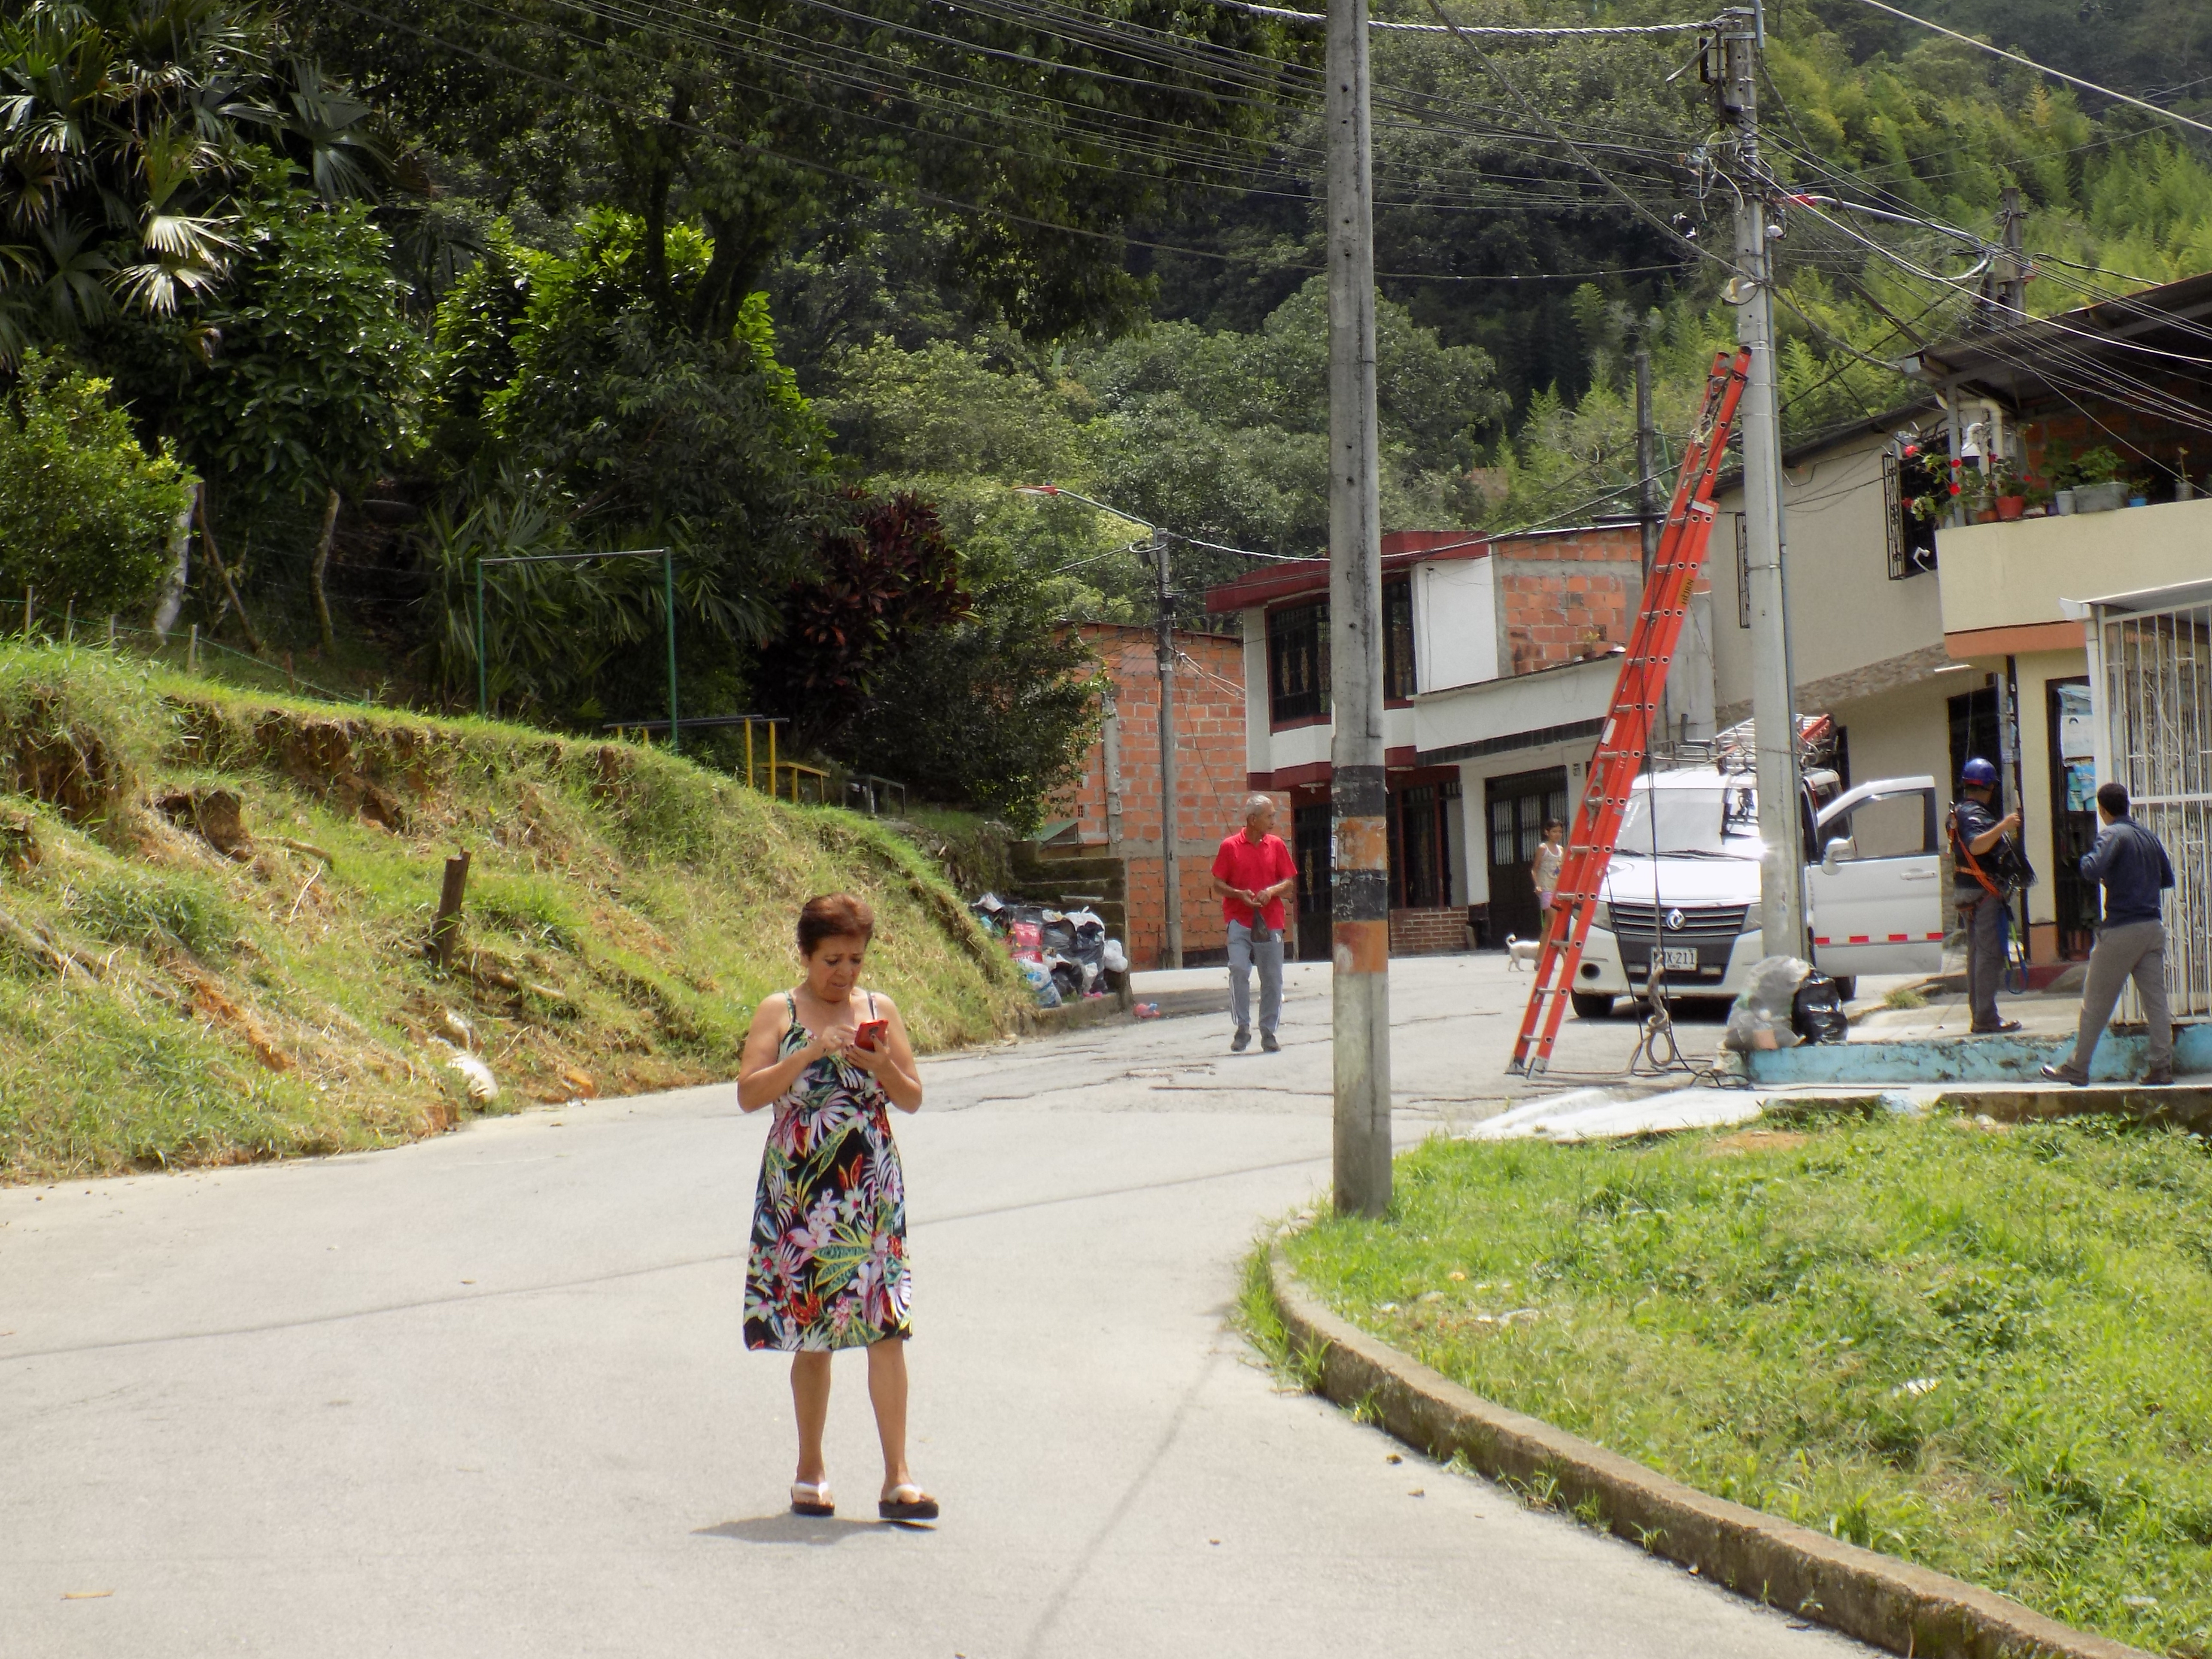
(305,312)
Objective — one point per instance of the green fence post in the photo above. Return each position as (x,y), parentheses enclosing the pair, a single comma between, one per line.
(668,589)
(484,682)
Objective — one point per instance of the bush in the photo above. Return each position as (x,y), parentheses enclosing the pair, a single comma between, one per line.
(85,514)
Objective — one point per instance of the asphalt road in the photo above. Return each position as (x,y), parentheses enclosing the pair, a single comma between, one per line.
(485,1395)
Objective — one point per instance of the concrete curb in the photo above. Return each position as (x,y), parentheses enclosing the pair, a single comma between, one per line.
(1070,1016)
(1876,1598)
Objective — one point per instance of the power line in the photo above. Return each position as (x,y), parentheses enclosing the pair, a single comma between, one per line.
(1449,28)
(2040,68)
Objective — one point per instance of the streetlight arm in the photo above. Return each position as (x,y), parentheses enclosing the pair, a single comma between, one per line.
(1061,493)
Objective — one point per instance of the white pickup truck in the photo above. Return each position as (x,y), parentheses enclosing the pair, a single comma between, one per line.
(1684,880)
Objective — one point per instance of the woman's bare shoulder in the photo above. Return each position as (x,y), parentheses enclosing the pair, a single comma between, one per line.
(773,1014)
(880,1001)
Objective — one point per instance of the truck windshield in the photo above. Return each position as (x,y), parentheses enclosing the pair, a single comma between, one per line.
(1721,821)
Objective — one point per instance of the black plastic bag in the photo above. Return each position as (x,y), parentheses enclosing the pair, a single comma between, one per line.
(1816,1012)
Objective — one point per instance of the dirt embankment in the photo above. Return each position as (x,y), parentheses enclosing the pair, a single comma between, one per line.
(216,911)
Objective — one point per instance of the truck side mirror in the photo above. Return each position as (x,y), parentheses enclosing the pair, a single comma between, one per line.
(1839,850)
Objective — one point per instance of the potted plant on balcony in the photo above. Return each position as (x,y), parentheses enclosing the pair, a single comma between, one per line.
(2100,488)
(2008,489)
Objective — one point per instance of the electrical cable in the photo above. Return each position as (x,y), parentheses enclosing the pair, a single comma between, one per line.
(936,199)
(2040,68)
(1572,148)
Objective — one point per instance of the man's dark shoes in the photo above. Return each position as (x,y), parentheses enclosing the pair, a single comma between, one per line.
(2158,1079)
(2060,1074)
(1241,1041)
(1267,1042)
(1997,1029)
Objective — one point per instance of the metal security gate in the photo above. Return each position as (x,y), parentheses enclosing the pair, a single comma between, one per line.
(2151,670)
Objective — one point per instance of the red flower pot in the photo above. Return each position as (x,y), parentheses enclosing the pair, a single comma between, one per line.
(2010,508)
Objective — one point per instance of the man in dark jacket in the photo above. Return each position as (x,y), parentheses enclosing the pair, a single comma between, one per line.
(2134,871)
(1980,898)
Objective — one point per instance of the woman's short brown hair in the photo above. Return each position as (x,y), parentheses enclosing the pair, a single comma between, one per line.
(834,916)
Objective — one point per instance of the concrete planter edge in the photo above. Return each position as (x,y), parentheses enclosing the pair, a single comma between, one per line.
(1878,1598)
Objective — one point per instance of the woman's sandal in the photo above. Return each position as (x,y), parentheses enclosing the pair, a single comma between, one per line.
(907,1501)
(814,1499)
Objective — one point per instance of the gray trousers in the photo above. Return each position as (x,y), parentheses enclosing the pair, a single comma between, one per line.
(1984,920)
(2135,949)
(1248,947)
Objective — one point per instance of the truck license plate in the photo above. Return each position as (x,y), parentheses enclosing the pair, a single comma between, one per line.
(1674,957)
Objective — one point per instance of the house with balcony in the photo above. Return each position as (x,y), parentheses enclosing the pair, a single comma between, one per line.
(1927,632)
(1499,658)
(2125,383)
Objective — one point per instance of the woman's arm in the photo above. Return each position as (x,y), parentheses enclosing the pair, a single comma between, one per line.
(892,1065)
(760,1076)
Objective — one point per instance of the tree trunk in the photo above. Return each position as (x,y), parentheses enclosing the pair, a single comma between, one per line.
(322,568)
(215,557)
(180,568)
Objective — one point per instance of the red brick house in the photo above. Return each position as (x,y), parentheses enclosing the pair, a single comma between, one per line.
(1114,812)
(1499,666)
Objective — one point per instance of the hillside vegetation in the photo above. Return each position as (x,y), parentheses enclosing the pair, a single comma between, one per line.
(215,909)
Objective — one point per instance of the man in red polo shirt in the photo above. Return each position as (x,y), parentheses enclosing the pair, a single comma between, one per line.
(1252,873)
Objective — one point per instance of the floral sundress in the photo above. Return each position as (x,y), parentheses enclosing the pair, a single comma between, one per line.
(827,1268)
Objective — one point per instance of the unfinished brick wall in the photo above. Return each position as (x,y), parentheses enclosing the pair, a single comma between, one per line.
(1427,932)
(1210,779)
(1570,596)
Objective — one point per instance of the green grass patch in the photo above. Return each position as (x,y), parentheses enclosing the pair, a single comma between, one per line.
(162,1003)
(1984,1351)
(1904,997)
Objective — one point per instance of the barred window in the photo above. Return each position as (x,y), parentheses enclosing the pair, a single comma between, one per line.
(1297,663)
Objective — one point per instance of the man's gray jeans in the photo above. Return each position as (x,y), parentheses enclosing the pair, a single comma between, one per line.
(1985,956)
(1248,946)
(2135,949)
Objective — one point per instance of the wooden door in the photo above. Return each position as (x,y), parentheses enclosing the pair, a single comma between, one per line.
(1513,811)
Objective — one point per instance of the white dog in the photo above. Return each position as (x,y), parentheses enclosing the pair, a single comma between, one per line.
(1522,952)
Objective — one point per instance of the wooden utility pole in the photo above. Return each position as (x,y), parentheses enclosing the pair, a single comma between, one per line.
(1360,845)
(1164,653)
(448,925)
(1773,690)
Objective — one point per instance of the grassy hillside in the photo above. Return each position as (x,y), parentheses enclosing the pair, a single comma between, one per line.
(214,909)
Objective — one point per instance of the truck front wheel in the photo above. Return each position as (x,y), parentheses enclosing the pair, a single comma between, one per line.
(1591,1005)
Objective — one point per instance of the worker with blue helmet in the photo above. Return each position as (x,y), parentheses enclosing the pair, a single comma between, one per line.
(1981,894)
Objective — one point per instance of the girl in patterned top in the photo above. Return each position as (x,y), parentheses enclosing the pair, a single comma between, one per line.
(827,1268)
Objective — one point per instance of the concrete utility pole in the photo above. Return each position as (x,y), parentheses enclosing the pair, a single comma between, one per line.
(1165,653)
(2003,298)
(1647,459)
(1647,499)
(1773,691)
(1360,847)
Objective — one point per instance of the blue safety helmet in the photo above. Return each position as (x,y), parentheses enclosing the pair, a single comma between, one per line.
(1979,773)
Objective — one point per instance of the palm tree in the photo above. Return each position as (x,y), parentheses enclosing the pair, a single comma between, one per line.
(128,129)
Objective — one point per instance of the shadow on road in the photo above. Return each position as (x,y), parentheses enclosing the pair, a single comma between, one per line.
(789,1528)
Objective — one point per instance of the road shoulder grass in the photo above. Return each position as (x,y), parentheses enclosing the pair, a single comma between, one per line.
(174,991)
(1981,1350)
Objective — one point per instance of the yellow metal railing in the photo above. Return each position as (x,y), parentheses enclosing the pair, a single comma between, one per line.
(771,769)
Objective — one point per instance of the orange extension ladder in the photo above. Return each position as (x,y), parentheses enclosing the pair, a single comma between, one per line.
(1623,743)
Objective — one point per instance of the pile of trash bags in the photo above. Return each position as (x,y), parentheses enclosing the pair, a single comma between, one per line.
(1784,1003)
(1065,954)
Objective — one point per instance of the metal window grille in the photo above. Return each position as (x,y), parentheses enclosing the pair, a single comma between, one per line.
(1399,682)
(1298,662)
(2154,682)
(1911,538)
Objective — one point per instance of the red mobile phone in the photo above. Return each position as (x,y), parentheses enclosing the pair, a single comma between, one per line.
(869,1033)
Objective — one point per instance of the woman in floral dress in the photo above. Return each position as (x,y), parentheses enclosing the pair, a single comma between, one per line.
(828,1266)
